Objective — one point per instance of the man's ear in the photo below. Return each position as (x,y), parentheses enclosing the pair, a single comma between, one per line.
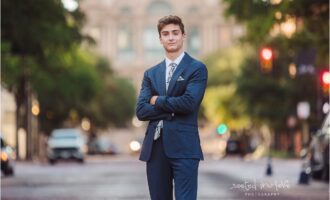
(184,36)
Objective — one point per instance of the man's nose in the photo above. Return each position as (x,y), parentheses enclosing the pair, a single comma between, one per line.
(171,37)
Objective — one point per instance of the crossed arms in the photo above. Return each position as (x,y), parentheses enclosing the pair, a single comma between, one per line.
(151,107)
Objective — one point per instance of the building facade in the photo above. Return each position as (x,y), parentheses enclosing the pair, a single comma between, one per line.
(126,33)
(8,117)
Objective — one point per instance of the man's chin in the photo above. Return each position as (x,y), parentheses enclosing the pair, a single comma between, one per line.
(172,50)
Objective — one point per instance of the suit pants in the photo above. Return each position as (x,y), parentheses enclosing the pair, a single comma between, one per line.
(161,171)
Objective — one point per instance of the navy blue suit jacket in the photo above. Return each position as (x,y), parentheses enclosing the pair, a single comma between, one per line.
(178,108)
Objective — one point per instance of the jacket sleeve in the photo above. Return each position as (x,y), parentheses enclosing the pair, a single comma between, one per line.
(144,110)
(191,98)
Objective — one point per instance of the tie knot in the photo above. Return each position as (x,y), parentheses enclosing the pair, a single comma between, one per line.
(173,65)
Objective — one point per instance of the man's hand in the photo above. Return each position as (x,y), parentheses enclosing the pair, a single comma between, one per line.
(153,100)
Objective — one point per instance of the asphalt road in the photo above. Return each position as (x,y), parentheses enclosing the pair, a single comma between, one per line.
(123,178)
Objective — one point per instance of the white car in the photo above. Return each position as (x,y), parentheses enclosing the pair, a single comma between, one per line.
(66,144)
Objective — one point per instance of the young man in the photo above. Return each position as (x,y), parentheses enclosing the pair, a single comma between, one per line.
(170,98)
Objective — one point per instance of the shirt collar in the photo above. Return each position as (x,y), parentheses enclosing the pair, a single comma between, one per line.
(176,61)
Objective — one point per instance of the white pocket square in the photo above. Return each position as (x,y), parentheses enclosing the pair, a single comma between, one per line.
(180,78)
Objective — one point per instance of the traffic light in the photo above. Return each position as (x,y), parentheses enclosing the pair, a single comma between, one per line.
(324,87)
(325,82)
(222,129)
(266,59)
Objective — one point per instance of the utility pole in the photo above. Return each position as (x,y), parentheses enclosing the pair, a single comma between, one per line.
(29,142)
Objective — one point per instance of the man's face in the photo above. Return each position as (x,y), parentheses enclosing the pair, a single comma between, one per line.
(172,38)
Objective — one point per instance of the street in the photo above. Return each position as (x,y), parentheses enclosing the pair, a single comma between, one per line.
(123,177)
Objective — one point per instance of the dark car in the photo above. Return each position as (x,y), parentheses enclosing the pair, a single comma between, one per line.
(234,144)
(233,147)
(7,159)
(102,146)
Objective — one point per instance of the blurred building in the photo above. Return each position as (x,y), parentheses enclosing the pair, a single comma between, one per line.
(126,30)
(8,116)
(27,139)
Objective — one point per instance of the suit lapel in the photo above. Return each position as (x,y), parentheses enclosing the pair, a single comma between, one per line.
(161,78)
(178,71)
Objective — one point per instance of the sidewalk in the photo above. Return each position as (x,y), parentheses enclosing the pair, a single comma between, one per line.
(284,179)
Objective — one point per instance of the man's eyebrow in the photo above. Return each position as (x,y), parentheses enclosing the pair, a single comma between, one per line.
(175,30)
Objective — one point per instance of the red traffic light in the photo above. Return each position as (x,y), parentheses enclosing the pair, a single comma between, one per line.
(325,82)
(266,60)
(325,78)
(266,54)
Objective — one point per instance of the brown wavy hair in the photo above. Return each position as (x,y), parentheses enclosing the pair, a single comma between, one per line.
(170,19)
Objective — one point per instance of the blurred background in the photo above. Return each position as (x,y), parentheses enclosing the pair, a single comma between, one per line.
(71,71)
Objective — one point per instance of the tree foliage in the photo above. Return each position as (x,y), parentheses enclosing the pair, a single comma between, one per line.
(34,36)
(261,16)
(115,99)
(221,104)
(41,54)
(271,98)
(68,85)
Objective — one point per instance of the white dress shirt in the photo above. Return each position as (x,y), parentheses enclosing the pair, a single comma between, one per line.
(168,67)
(168,62)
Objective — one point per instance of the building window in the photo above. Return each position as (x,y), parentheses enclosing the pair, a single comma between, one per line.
(126,11)
(153,48)
(193,10)
(124,42)
(159,7)
(194,40)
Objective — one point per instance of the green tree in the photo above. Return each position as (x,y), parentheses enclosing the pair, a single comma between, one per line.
(263,21)
(32,32)
(221,104)
(113,105)
(73,84)
(261,17)
(288,27)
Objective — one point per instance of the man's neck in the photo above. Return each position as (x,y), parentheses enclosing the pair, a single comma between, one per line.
(173,55)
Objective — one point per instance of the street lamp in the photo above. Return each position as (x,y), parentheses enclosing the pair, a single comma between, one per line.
(288,28)
(35,109)
(85,124)
(292,70)
(70,5)
(275,2)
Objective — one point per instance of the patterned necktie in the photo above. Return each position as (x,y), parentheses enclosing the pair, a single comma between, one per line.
(170,74)
(169,77)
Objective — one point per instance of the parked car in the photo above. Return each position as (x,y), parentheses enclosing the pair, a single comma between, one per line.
(102,146)
(66,144)
(234,145)
(319,152)
(7,158)
(316,155)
